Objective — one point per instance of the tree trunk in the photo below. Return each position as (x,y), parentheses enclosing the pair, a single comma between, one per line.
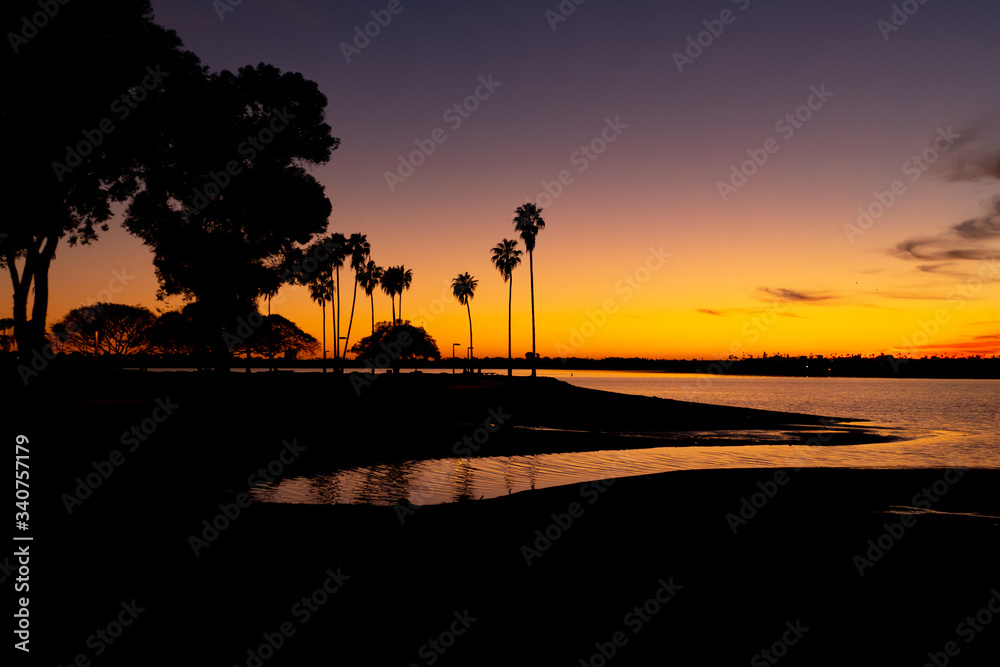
(336,343)
(323,306)
(471,348)
(534,355)
(510,297)
(372,295)
(350,322)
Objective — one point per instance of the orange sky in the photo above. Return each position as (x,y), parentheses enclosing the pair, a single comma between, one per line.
(769,268)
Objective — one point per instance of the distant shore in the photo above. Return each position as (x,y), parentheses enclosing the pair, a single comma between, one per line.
(883,366)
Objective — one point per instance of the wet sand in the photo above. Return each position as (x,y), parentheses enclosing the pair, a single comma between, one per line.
(404,576)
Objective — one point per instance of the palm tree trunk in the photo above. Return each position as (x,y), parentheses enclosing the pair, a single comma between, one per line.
(471,349)
(350,322)
(534,355)
(400,305)
(510,297)
(392,297)
(336,343)
(323,306)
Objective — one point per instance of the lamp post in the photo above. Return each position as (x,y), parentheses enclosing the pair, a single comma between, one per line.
(453,357)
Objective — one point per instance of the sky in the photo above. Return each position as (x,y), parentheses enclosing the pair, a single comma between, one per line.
(716,178)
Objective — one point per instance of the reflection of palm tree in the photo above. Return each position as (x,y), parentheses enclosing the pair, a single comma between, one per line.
(359,250)
(528,221)
(506,257)
(464,288)
(319,291)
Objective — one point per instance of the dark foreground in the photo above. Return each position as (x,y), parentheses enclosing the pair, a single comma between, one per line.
(645,570)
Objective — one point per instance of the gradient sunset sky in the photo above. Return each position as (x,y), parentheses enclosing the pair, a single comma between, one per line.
(642,236)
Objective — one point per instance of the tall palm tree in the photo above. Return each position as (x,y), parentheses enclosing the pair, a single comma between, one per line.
(390,281)
(506,257)
(370,278)
(528,221)
(319,291)
(405,279)
(337,256)
(464,288)
(359,249)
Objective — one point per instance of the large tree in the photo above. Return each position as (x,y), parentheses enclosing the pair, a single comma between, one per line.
(391,344)
(528,221)
(110,328)
(82,92)
(227,197)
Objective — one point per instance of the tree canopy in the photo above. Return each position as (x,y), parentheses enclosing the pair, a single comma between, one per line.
(110,328)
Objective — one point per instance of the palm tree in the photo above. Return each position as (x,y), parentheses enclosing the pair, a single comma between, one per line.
(464,288)
(337,257)
(359,250)
(370,277)
(319,291)
(528,221)
(506,257)
(390,281)
(405,279)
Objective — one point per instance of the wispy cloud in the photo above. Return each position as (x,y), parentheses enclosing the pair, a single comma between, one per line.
(974,157)
(795,295)
(708,311)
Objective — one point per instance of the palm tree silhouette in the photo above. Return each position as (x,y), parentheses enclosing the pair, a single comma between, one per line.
(506,257)
(390,283)
(405,279)
(528,221)
(370,277)
(337,257)
(464,288)
(359,250)
(319,291)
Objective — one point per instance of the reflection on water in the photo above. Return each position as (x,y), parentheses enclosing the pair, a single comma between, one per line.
(436,481)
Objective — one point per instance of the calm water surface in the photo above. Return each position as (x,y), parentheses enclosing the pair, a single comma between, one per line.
(942,423)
